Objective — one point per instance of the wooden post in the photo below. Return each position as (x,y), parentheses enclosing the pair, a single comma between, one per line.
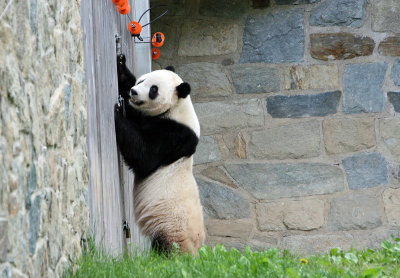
(142,65)
(142,50)
(111,184)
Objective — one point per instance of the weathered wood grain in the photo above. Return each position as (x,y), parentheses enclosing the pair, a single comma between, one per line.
(111,185)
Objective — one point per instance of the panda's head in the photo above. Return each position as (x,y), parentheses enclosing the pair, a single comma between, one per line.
(158,91)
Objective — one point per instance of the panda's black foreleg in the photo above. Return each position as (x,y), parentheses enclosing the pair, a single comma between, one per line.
(129,139)
(134,146)
(126,80)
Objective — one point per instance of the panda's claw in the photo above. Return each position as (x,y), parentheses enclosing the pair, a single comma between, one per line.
(121,59)
(117,110)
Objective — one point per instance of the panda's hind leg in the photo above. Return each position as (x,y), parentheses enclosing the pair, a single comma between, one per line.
(161,244)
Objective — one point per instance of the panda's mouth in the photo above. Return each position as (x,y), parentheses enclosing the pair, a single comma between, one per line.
(135,102)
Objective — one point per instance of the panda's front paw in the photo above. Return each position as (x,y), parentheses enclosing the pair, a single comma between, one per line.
(121,59)
(117,111)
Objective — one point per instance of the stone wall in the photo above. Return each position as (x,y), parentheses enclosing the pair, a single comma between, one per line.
(43,161)
(299,106)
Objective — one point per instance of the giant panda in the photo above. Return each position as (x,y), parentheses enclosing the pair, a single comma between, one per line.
(157,132)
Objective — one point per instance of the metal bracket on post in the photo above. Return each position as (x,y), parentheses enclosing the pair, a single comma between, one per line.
(121,101)
(126,229)
(118,43)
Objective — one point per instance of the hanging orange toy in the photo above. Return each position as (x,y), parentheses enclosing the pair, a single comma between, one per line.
(155,53)
(124,9)
(118,2)
(135,28)
(158,39)
(123,6)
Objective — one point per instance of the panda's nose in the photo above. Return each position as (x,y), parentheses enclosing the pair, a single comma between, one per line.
(133,92)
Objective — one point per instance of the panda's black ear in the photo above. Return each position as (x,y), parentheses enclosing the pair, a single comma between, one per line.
(183,90)
(171,68)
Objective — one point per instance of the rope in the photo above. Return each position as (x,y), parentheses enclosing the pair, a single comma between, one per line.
(4,12)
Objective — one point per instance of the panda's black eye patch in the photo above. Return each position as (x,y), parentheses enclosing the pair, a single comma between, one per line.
(153,93)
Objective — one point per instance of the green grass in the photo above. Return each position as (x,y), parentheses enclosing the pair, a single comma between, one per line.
(219,262)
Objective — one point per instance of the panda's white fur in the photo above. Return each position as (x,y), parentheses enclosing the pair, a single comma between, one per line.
(180,109)
(167,204)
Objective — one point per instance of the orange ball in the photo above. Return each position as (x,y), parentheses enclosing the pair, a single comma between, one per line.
(119,2)
(155,53)
(135,28)
(125,8)
(158,39)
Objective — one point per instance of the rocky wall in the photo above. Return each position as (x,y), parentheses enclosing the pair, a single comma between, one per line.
(299,104)
(43,161)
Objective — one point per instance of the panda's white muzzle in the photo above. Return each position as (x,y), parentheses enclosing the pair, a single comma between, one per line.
(133,98)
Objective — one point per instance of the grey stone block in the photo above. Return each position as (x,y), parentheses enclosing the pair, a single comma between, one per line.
(207,37)
(373,238)
(340,46)
(296,2)
(390,46)
(395,75)
(67,96)
(305,215)
(170,28)
(339,13)
(390,133)
(270,216)
(354,212)
(3,239)
(259,4)
(175,7)
(301,106)
(348,135)
(274,181)
(222,203)
(302,215)
(391,201)
(366,170)
(207,80)
(228,242)
(261,242)
(385,15)
(32,184)
(322,77)
(219,116)
(207,151)
(236,228)
(362,84)
(394,99)
(300,140)
(317,243)
(223,8)
(6,271)
(255,79)
(274,37)
(34,222)
(32,16)
(219,175)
